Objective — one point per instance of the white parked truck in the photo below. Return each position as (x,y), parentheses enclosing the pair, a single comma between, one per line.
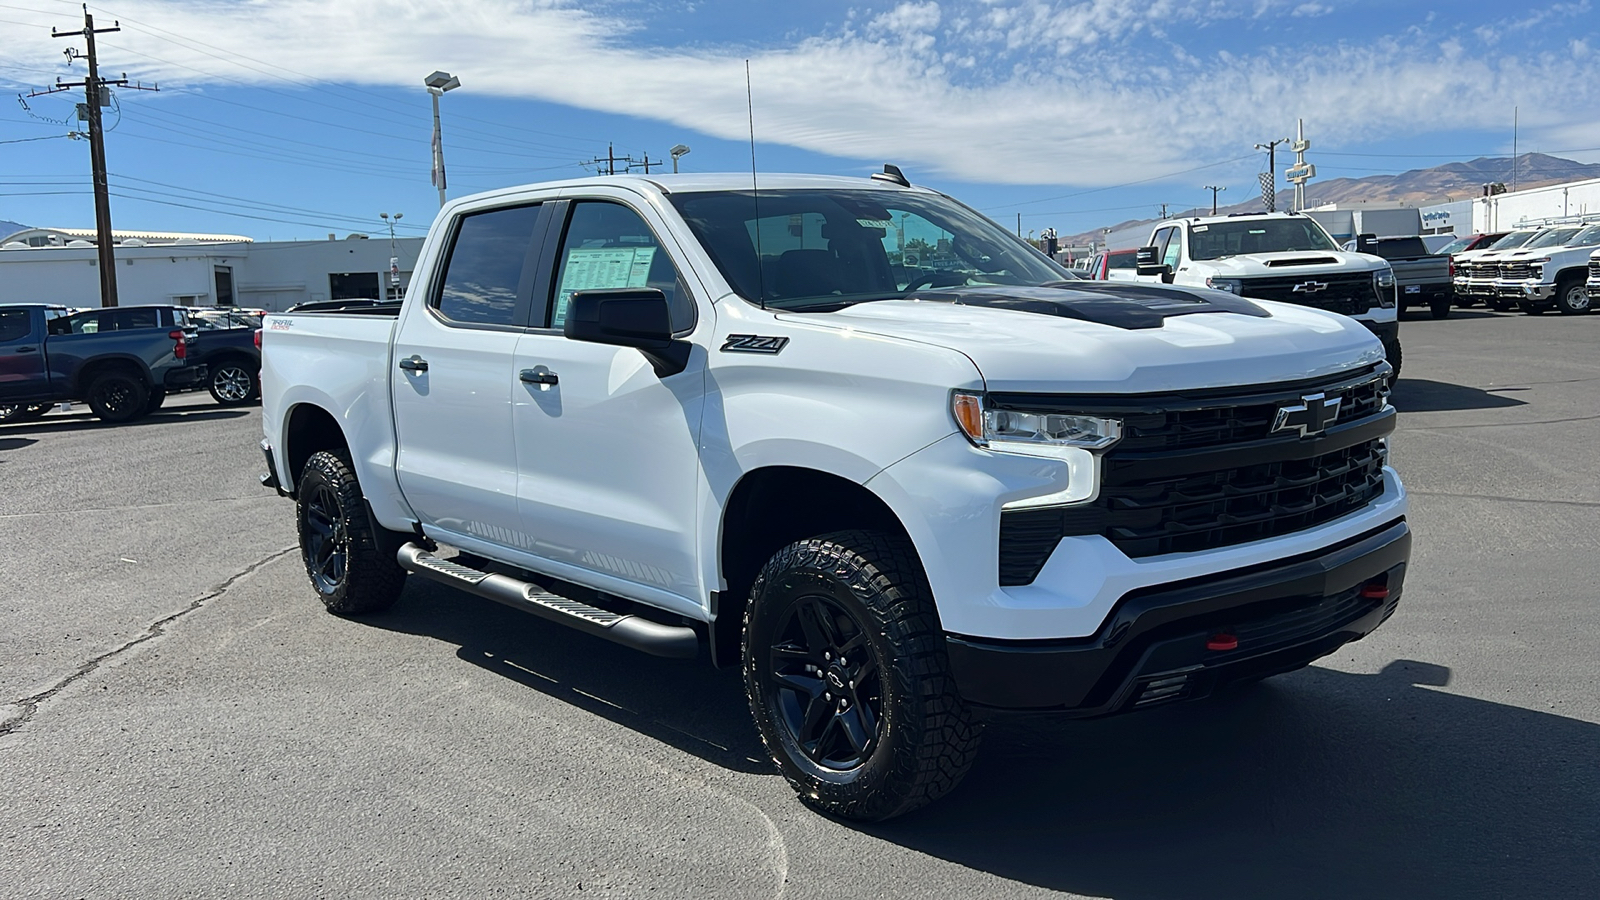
(1537,278)
(1285,257)
(899,495)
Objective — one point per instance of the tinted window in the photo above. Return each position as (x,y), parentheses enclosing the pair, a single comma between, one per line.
(1219,239)
(13,325)
(794,249)
(483,278)
(82,323)
(1128,260)
(1402,248)
(608,246)
(132,317)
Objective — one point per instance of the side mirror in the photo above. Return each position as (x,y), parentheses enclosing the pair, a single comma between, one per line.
(1148,260)
(1367,243)
(629,317)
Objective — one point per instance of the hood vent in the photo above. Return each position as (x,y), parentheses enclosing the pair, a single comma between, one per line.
(1304,261)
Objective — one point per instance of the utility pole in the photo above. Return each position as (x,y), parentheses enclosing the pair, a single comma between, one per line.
(611,159)
(1163,210)
(94,96)
(1019,224)
(1514,111)
(1269,183)
(647,162)
(1214,189)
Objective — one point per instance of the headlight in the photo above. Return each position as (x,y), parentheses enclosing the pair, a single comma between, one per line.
(995,428)
(1383,278)
(1383,285)
(1231,285)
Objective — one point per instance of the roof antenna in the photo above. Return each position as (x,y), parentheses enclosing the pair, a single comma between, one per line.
(755,192)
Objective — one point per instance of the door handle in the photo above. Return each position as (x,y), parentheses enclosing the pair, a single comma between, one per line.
(414,363)
(542,377)
(27,349)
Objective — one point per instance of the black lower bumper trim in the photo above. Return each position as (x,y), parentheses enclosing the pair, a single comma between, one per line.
(1154,646)
(184,376)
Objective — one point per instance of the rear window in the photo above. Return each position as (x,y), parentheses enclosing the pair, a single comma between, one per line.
(1401,248)
(1128,260)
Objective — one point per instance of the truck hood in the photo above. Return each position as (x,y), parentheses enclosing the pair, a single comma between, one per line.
(1289,264)
(1116,338)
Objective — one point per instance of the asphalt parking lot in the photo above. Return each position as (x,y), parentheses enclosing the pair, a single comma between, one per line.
(182,719)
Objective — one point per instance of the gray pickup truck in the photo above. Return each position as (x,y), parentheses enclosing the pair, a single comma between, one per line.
(1421,278)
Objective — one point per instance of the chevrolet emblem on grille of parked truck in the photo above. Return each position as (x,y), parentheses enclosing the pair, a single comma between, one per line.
(1315,413)
(1309,287)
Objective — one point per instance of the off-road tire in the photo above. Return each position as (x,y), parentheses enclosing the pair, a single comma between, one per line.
(871,589)
(1440,308)
(1572,297)
(350,564)
(233,383)
(117,397)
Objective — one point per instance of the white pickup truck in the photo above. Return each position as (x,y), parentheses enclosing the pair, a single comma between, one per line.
(1537,278)
(901,495)
(1285,257)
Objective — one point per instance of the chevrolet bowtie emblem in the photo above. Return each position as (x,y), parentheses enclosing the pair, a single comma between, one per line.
(1309,287)
(1310,417)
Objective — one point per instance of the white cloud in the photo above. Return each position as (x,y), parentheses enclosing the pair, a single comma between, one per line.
(1306,10)
(1019,91)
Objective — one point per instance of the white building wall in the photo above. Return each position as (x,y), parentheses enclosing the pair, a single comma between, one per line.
(270,275)
(1503,212)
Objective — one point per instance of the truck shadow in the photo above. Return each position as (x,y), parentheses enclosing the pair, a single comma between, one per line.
(1422,395)
(86,421)
(1315,784)
(686,704)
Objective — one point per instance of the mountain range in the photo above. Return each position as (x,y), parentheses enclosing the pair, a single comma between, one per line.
(1439,184)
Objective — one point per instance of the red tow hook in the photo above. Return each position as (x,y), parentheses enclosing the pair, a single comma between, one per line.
(1222,641)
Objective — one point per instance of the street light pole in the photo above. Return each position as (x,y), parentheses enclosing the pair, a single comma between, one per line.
(678,150)
(437,84)
(394,256)
(1214,189)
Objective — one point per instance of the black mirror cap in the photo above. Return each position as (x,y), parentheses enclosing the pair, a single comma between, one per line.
(1367,243)
(625,317)
(1148,261)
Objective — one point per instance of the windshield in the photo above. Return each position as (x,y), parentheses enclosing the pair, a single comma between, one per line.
(1584,238)
(1455,246)
(1555,237)
(1513,240)
(1220,239)
(828,248)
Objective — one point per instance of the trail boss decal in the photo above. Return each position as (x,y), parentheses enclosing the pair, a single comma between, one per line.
(754,343)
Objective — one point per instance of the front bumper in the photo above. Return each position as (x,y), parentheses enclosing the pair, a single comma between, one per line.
(1153,648)
(184,377)
(1524,289)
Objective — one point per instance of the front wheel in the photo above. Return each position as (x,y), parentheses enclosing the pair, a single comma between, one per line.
(847,677)
(350,565)
(118,397)
(233,384)
(1572,297)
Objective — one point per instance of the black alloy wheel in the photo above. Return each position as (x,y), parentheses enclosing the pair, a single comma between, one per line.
(848,679)
(349,559)
(118,397)
(825,683)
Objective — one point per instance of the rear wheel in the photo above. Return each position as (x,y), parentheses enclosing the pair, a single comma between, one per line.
(847,677)
(1572,297)
(350,564)
(1440,307)
(233,383)
(118,397)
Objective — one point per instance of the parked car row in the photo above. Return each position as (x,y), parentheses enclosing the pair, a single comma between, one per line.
(1534,269)
(123,361)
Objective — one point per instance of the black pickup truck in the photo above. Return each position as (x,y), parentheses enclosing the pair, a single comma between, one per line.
(226,346)
(1421,278)
(121,361)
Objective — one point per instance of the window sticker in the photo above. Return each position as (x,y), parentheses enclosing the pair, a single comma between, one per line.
(597,268)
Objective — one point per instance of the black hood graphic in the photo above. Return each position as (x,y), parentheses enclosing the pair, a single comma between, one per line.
(1119,305)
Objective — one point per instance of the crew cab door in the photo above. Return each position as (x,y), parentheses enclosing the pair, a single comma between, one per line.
(608,465)
(452,377)
(22,370)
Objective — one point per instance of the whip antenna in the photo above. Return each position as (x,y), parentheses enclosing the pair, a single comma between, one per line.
(755,192)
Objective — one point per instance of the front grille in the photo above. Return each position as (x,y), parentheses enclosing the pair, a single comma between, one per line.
(1516,270)
(1594,270)
(1482,269)
(1346,293)
(1204,470)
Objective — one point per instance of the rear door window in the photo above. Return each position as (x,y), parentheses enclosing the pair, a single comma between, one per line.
(14,325)
(488,276)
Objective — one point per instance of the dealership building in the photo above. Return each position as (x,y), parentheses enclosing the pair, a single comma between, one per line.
(60,266)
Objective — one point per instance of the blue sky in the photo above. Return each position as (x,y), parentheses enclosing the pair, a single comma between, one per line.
(294,118)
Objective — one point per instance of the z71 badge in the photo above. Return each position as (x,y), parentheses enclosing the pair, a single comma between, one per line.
(754,343)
